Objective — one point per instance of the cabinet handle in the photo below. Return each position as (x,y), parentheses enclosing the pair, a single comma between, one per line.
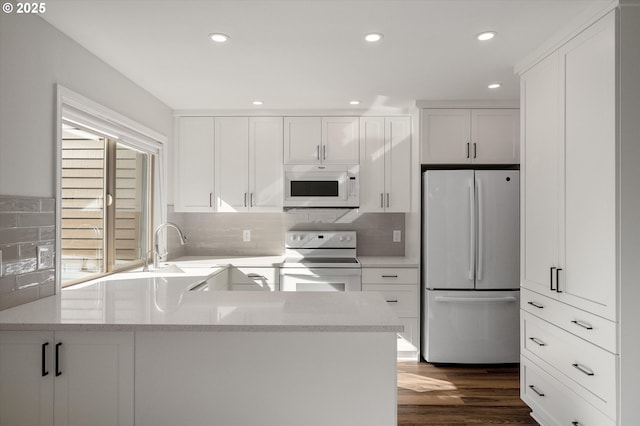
(583,369)
(558,280)
(537,341)
(381,200)
(58,372)
(392,301)
(553,268)
(389,276)
(387,199)
(468,149)
(211,199)
(324,152)
(318,152)
(245,199)
(535,305)
(256,276)
(533,388)
(44,359)
(475,150)
(576,423)
(251,200)
(582,324)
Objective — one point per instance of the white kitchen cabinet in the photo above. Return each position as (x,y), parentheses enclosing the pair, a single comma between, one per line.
(470,136)
(248,164)
(254,279)
(581,239)
(321,140)
(194,160)
(385,159)
(399,287)
(66,378)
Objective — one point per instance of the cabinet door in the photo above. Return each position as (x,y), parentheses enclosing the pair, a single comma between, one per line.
(265,164)
(232,164)
(446,136)
(95,386)
(302,140)
(194,173)
(372,164)
(588,66)
(495,136)
(340,140)
(540,175)
(398,164)
(26,380)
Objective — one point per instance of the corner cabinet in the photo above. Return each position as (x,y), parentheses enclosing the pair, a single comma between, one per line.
(66,378)
(385,164)
(580,226)
(321,140)
(470,136)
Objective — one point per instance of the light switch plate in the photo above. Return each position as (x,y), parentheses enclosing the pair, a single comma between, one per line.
(45,256)
(397,236)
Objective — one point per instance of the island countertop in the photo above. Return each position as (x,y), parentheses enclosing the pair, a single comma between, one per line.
(130,302)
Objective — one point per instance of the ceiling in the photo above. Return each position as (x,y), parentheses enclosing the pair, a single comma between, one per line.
(311,54)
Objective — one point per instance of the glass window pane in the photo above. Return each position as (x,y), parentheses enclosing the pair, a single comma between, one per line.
(83,215)
(131,204)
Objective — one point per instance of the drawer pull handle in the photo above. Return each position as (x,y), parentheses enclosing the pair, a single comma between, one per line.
(576,423)
(535,305)
(583,369)
(533,388)
(389,276)
(392,301)
(537,341)
(583,325)
(257,276)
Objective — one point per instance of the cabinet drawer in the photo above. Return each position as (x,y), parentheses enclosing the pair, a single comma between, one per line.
(553,402)
(389,275)
(255,287)
(593,328)
(587,365)
(255,276)
(402,298)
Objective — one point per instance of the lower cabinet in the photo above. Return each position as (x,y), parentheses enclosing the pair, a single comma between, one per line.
(66,378)
(254,279)
(399,287)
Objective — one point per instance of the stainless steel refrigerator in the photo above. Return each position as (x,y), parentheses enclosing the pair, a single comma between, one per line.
(471,266)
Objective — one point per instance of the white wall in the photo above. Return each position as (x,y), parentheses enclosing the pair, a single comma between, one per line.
(34,57)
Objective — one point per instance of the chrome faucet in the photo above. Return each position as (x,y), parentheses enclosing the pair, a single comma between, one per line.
(156,249)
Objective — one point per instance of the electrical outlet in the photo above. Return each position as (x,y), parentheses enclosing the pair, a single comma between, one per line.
(397,236)
(246,235)
(45,256)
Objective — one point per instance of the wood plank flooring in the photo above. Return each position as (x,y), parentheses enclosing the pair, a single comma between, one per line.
(460,395)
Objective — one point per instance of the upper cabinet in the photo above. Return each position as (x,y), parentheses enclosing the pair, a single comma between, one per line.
(321,140)
(470,136)
(385,164)
(194,160)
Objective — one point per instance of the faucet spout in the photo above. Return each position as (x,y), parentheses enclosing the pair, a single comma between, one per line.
(157,255)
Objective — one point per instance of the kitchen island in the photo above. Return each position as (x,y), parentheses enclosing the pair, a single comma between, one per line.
(202,357)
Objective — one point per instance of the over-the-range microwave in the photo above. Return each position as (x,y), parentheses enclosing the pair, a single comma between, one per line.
(319,185)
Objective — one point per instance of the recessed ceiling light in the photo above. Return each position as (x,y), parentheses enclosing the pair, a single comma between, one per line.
(487,35)
(257,102)
(354,102)
(494,85)
(373,37)
(218,37)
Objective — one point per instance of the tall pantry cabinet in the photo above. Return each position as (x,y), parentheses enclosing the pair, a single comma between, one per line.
(580,257)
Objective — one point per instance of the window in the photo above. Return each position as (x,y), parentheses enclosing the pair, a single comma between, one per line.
(105,198)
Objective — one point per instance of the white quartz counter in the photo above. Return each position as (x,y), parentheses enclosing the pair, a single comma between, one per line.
(388,262)
(139,301)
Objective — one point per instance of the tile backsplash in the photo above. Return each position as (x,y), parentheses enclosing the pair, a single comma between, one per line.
(220,234)
(25,224)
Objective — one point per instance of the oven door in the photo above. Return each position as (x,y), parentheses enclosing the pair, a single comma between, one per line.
(320,279)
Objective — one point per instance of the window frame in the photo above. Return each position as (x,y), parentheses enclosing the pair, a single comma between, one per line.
(81,111)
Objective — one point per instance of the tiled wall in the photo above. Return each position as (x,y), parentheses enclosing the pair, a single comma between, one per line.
(25,224)
(220,234)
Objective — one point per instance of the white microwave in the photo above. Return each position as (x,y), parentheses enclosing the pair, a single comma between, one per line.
(331,185)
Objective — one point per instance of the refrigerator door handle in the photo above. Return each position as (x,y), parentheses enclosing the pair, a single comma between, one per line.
(480,226)
(472,231)
(466,299)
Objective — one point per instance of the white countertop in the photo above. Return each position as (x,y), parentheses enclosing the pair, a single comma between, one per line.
(388,262)
(145,301)
(238,261)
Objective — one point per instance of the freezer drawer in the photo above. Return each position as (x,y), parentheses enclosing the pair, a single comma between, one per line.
(471,327)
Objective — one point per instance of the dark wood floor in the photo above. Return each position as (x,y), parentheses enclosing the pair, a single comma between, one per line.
(460,395)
